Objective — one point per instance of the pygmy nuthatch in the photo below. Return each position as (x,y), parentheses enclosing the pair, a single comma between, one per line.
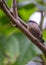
(35,30)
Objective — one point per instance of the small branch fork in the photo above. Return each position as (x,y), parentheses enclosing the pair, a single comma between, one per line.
(13,16)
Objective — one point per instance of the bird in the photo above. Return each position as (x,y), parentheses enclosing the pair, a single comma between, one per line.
(34,28)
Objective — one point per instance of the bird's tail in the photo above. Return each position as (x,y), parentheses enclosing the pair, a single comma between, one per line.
(42,40)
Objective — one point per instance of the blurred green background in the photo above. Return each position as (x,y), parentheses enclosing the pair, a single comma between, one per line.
(15,47)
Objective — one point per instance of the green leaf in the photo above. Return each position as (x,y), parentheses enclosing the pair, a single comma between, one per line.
(25,13)
(12,49)
(9,50)
(44,34)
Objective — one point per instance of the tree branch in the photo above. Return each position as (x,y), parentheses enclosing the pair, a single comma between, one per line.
(15,13)
(24,30)
(42,16)
(1,4)
(22,22)
(41,22)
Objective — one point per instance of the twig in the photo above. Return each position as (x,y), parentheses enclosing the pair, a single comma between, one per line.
(42,16)
(6,4)
(22,22)
(15,13)
(41,22)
